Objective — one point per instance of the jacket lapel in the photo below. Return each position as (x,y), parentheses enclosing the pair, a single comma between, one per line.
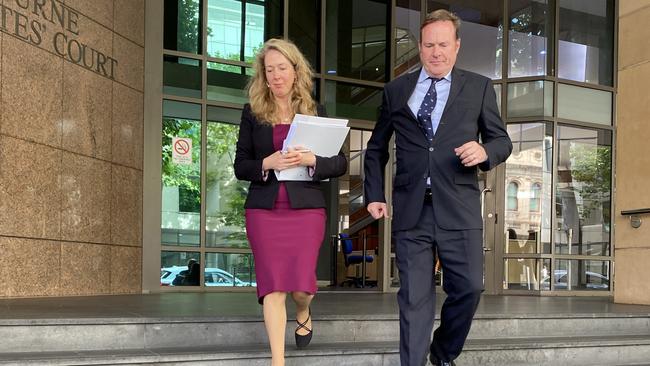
(457,82)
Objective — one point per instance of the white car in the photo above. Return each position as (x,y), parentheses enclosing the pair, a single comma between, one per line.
(213,277)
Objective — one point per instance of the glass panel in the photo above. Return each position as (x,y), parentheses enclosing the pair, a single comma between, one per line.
(225,195)
(181,76)
(181,176)
(572,275)
(227,83)
(545,284)
(582,197)
(351,207)
(407,34)
(481,34)
(528,44)
(586,51)
(224,29)
(528,229)
(226,18)
(180,268)
(497,91)
(521,274)
(584,104)
(232,269)
(304,29)
(352,101)
(182,23)
(530,99)
(356,39)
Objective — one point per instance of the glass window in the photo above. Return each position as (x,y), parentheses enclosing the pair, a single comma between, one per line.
(304,29)
(225,195)
(229,269)
(530,99)
(238,28)
(180,268)
(535,196)
(586,49)
(182,25)
(227,83)
(481,34)
(356,39)
(181,174)
(583,192)
(352,101)
(584,104)
(528,230)
(572,275)
(407,35)
(513,189)
(530,25)
(497,91)
(181,76)
(521,274)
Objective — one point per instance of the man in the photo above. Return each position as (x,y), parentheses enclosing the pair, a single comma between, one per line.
(437,115)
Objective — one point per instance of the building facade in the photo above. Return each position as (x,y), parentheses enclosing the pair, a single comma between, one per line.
(123,166)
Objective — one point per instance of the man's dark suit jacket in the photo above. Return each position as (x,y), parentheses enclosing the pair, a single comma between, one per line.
(256,143)
(471,111)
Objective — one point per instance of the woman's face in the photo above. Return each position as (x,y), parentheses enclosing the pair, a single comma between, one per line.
(280,74)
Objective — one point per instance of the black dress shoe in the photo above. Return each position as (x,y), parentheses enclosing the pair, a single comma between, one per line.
(437,362)
(302,341)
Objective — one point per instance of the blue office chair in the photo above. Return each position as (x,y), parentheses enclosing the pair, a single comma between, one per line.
(352,260)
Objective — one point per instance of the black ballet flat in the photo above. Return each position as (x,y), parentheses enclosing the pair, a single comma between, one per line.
(302,341)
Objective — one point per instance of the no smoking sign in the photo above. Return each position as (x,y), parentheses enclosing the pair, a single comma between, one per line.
(182,150)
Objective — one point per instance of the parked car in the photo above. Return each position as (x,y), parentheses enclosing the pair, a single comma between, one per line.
(213,277)
(595,281)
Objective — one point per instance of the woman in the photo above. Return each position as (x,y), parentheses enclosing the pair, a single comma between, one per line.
(285,221)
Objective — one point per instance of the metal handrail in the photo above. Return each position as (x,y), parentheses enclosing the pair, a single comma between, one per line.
(635,220)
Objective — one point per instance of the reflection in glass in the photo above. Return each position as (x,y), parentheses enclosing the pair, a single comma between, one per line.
(226,18)
(584,104)
(407,34)
(304,29)
(227,83)
(181,178)
(497,91)
(351,205)
(572,275)
(229,269)
(225,195)
(521,274)
(182,23)
(481,34)
(586,47)
(352,101)
(180,268)
(583,192)
(528,45)
(530,99)
(356,39)
(181,76)
(528,179)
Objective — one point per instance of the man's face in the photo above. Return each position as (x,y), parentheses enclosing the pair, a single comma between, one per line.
(439,48)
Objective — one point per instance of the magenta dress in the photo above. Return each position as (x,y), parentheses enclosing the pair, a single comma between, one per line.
(285,241)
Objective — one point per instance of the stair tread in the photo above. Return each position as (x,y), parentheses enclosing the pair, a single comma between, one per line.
(256,351)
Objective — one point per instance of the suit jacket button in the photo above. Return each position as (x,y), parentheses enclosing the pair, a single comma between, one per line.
(431,149)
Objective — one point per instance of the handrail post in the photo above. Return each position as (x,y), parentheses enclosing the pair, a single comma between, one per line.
(363,260)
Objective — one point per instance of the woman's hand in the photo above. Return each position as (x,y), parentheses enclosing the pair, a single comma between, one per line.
(307,158)
(281,161)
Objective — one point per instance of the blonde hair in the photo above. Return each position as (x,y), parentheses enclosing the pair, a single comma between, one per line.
(262,104)
(442,15)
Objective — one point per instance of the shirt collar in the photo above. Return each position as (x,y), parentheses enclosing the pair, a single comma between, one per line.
(423,75)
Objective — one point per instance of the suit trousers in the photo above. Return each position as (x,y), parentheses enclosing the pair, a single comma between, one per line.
(461,256)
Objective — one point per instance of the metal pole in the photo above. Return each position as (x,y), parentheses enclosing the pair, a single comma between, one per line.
(363,261)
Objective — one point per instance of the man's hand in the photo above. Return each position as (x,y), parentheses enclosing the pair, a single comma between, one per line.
(471,153)
(378,210)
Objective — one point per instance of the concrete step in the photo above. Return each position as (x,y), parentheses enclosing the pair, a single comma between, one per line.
(83,334)
(569,351)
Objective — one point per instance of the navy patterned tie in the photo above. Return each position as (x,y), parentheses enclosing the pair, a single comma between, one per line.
(426,108)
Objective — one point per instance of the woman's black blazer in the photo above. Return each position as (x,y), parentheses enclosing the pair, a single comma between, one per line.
(256,143)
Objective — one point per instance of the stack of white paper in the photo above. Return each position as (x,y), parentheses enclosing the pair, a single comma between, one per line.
(322,136)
